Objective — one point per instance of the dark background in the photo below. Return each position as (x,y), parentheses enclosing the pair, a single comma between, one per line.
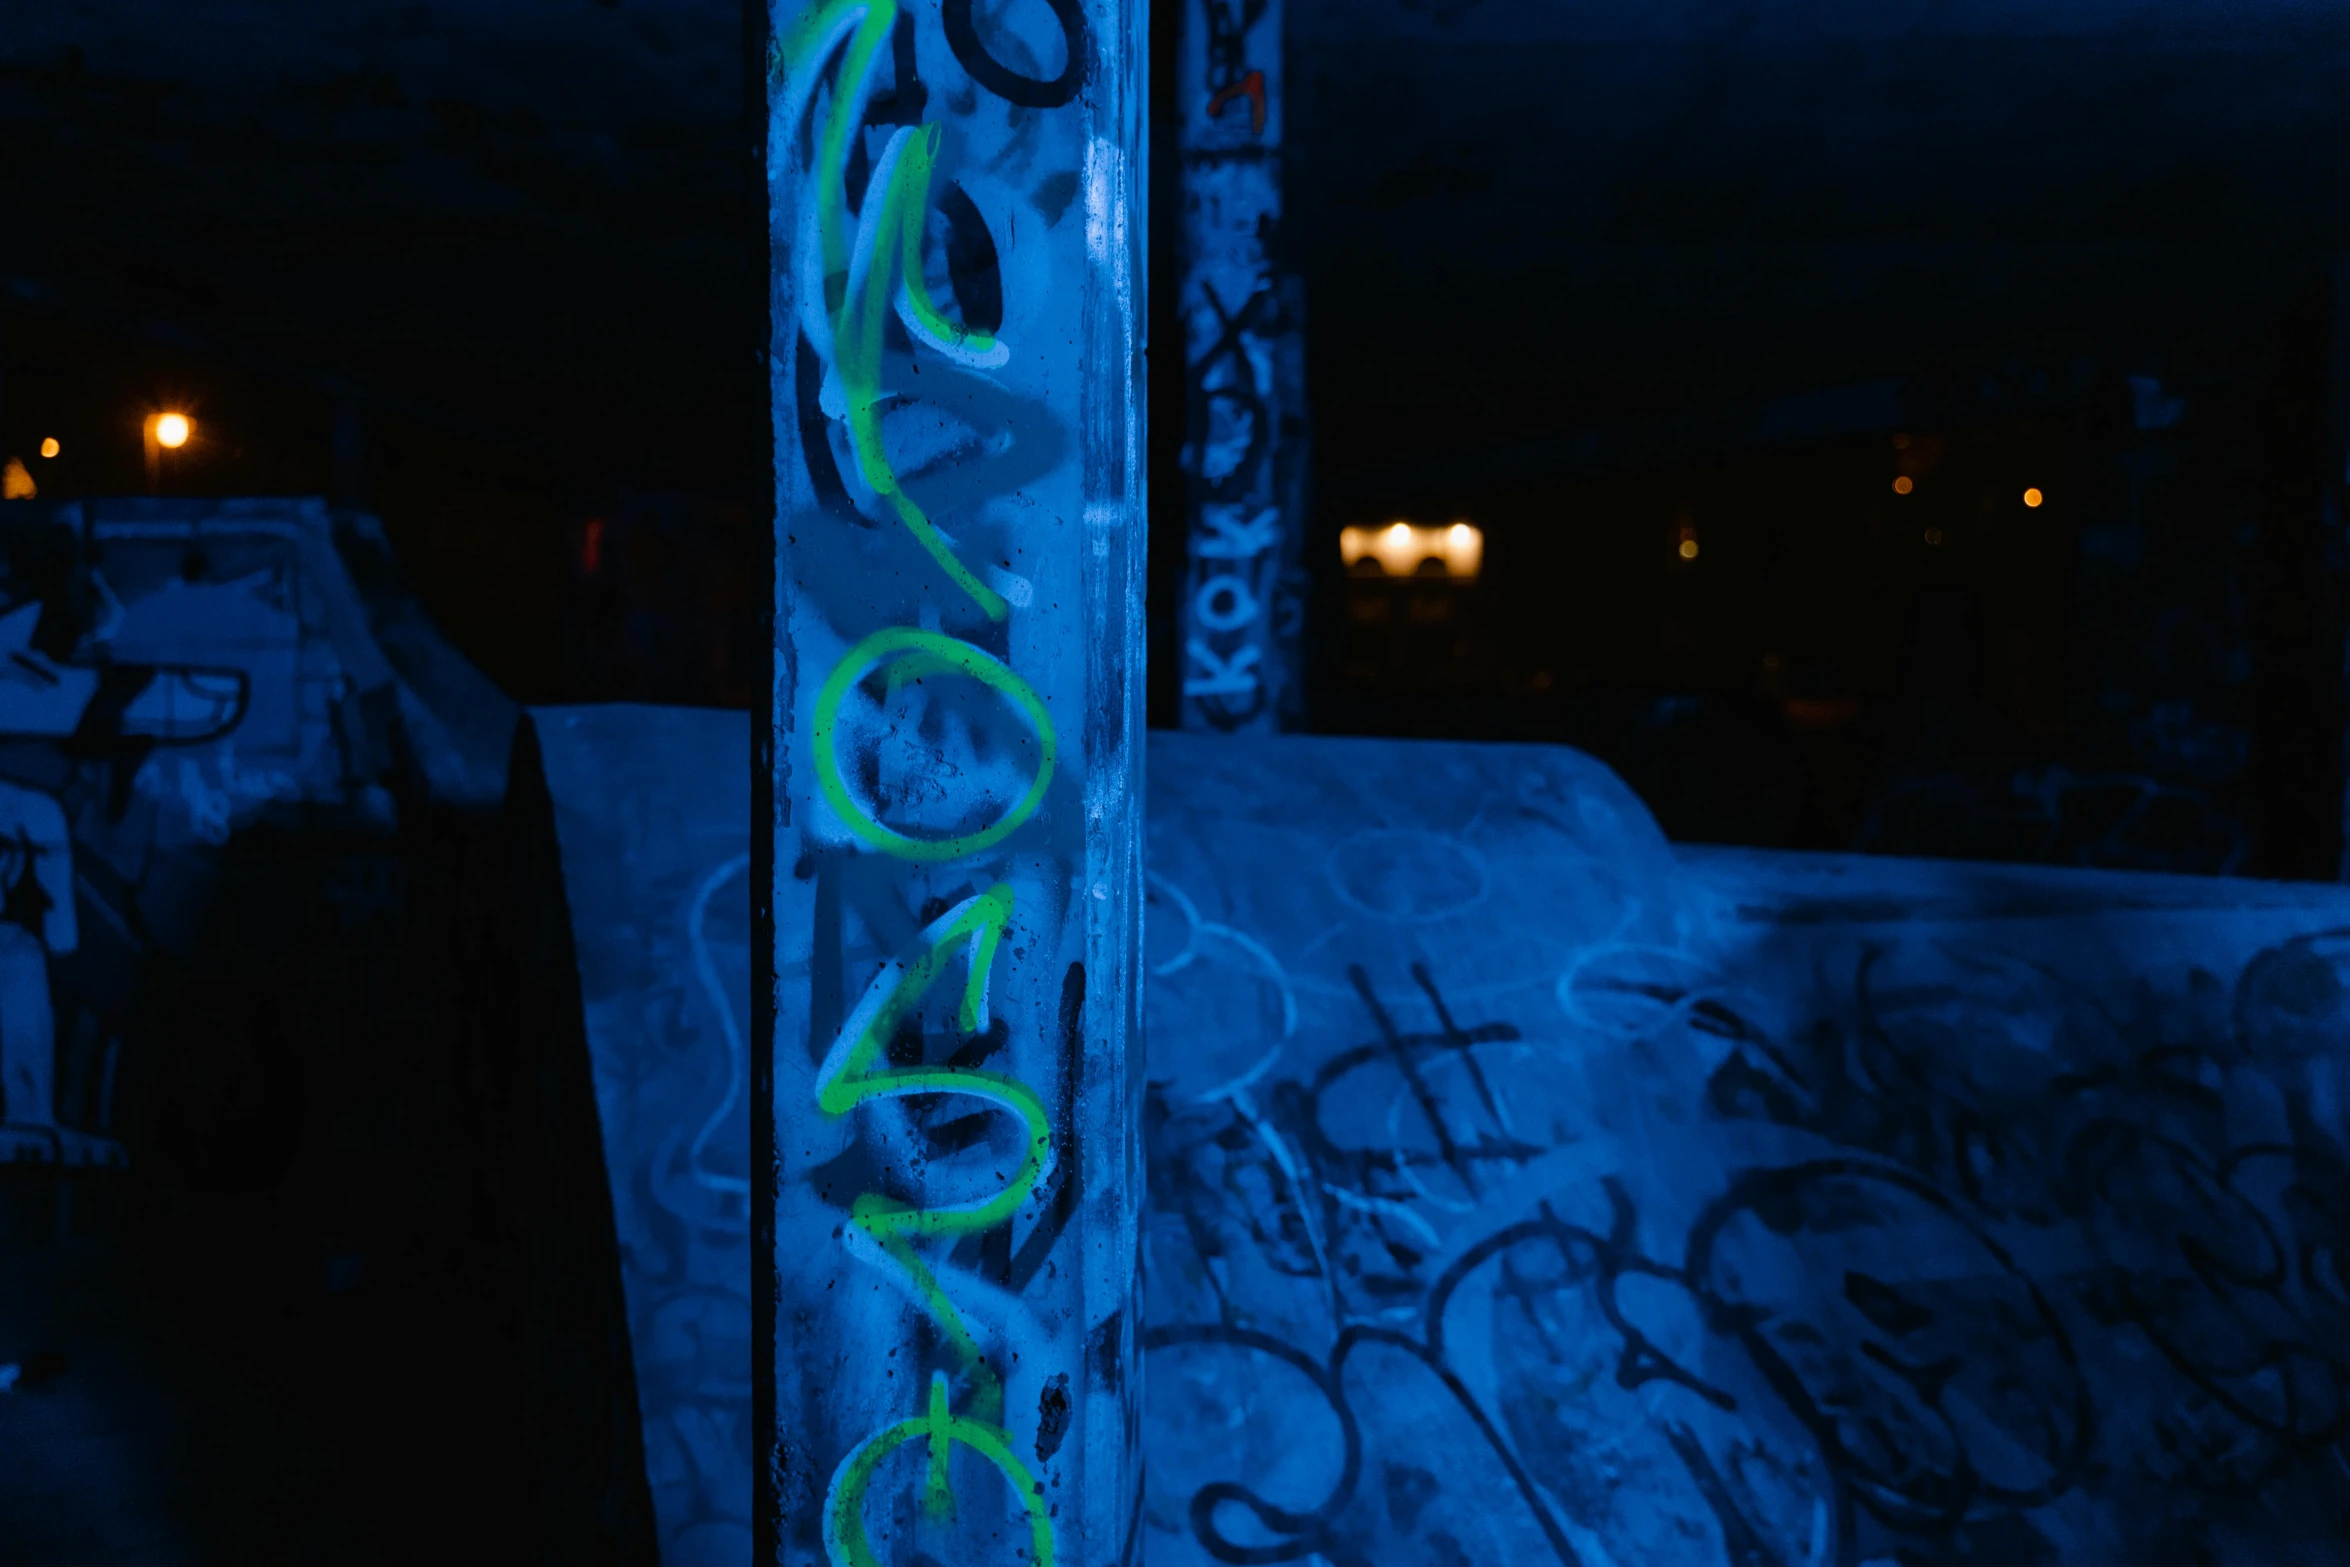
(493,271)
(1587,275)
(484,266)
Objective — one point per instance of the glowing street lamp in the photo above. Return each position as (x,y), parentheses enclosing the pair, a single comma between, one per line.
(164,432)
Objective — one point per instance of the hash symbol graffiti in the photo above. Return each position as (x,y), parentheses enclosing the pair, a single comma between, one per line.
(2025,1278)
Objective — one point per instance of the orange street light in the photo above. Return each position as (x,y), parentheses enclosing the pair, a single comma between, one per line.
(164,432)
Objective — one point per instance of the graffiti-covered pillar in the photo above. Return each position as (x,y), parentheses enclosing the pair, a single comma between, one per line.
(1244,451)
(957,1065)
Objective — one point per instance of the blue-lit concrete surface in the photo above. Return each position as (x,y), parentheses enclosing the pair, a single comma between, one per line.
(245,1227)
(956,722)
(175,674)
(1519,1195)
(652,812)
(1523,1188)
(1526,1189)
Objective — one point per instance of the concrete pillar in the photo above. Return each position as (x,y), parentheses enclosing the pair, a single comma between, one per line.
(957,1067)
(1241,611)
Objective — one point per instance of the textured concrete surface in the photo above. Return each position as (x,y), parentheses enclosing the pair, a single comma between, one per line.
(653,811)
(1526,1190)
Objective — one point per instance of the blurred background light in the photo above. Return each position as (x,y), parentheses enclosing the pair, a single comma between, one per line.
(1403,549)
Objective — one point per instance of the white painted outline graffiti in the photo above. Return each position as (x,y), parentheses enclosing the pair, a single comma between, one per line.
(1239,615)
(867,247)
(1895,1320)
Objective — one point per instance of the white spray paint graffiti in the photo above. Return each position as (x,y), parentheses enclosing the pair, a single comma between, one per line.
(958,604)
(1244,378)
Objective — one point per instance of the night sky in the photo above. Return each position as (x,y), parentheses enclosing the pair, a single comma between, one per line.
(1585,275)
(508,243)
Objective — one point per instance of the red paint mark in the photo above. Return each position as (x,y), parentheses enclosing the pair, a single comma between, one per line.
(1251,87)
(591,546)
